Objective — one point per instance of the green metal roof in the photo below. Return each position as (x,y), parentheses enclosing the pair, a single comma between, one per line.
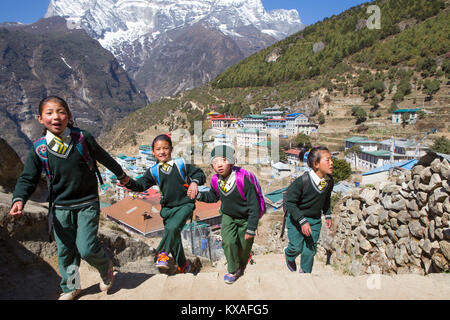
(263,144)
(407,110)
(248,130)
(378,153)
(255,116)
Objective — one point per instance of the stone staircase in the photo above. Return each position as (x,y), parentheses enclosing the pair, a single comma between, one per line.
(267,279)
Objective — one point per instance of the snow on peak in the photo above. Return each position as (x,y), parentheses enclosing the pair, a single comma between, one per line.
(113,22)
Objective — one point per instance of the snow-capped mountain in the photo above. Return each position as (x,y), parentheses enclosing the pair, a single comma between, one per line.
(132,29)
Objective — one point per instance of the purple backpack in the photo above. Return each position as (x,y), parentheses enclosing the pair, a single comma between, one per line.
(240,174)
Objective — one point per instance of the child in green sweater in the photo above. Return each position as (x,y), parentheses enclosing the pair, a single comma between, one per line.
(75,209)
(177,198)
(239,216)
(304,205)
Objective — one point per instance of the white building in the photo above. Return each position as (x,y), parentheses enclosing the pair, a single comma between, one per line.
(409,148)
(411,115)
(224,123)
(255,121)
(248,137)
(274,113)
(294,122)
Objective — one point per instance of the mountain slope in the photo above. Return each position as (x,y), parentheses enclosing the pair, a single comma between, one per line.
(409,68)
(139,33)
(47,58)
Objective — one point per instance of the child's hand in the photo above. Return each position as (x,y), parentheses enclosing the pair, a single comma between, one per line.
(124,181)
(328,223)
(192,190)
(248,237)
(17,209)
(306,229)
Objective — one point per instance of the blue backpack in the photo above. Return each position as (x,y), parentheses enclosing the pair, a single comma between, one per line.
(181,165)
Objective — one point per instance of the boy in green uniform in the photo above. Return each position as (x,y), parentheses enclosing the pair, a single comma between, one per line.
(304,205)
(239,217)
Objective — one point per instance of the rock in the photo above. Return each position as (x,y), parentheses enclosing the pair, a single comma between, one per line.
(417,169)
(403,217)
(431,229)
(446,186)
(354,207)
(391,188)
(427,265)
(438,221)
(354,221)
(274,55)
(446,204)
(425,175)
(372,221)
(435,181)
(381,231)
(383,217)
(386,201)
(318,46)
(435,166)
(394,223)
(368,196)
(402,231)
(440,262)
(416,229)
(372,233)
(427,246)
(422,197)
(415,214)
(365,245)
(440,195)
(399,205)
(424,187)
(415,249)
(390,251)
(401,256)
(445,169)
(445,249)
(392,235)
(412,205)
(446,233)
(439,233)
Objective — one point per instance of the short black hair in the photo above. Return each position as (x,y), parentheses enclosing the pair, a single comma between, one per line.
(162,137)
(314,155)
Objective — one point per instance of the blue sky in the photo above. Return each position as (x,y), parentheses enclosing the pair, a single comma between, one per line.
(310,11)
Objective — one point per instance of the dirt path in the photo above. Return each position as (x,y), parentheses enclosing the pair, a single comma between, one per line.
(267,279)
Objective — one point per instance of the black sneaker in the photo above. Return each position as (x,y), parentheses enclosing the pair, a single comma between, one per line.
(292,266)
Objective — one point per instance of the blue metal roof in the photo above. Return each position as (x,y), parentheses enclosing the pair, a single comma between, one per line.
(403,164)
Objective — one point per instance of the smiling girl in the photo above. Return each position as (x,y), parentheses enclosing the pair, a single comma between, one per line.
(73,191)
(304,205)
(177,198)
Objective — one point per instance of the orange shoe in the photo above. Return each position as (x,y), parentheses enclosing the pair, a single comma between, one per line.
(186,268)
(162,261)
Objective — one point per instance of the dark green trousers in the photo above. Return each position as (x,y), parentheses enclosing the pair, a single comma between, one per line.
(76,238)
(235,247)
(174,220)
(300,244)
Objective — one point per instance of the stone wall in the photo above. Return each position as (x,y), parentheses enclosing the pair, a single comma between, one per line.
(398,226)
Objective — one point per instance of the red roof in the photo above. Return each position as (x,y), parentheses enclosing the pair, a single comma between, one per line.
(293,151)
(213,119)
(142,215)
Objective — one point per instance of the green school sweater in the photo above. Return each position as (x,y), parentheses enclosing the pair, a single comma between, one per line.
(73,183)
(173,191)
(310,204)
(234,206)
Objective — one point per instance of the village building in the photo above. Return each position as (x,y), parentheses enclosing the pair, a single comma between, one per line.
(276,123)
(248,137)
(223,139)
(273,112)
(406,147)
(411,115)
(142,216)
(293,122)
(224,123)
(292,156)
(255,121)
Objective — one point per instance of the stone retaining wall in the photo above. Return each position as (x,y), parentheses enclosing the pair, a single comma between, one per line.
(398,226)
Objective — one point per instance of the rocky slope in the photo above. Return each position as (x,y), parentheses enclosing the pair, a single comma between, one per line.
(47,58)
(142,36)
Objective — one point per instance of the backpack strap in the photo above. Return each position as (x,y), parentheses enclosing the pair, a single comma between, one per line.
(240,175)
(215,182)
(83,148)
(154,170)
(181,165)
(40,147)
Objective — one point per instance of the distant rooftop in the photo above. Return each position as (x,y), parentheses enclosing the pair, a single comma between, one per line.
(407,110)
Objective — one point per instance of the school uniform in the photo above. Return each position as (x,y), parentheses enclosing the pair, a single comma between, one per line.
(306,205)
(239,217)
(75,199)
(176,206)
